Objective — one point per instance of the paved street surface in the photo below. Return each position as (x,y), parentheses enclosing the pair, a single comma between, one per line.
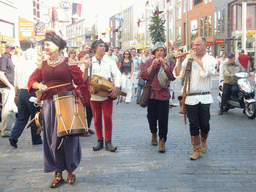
(229,164)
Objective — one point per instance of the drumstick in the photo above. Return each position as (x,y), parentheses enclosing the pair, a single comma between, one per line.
(75,62)
(56,86)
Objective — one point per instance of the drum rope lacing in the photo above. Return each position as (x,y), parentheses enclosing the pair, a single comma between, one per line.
(73,120)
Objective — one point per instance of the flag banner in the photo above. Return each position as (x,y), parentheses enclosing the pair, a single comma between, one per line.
(139,22)
(158,13)
(120,19)
(107,30)
(76,9)
(54,14)
(121,8)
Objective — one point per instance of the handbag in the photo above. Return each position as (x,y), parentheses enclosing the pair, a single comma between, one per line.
(144,98)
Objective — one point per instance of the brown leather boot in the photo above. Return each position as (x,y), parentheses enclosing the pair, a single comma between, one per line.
(154,139)
(195,140)
(204,142)
(161,146)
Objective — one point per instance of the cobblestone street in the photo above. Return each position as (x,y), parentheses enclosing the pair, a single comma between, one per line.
(229,164)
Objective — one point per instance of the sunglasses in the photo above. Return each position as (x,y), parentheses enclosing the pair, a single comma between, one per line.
(73,52)
(127,54)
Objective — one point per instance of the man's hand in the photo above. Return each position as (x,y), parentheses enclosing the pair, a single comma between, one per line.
(193,54)
(114,92)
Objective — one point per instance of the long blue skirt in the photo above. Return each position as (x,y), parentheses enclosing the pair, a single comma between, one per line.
(68,155)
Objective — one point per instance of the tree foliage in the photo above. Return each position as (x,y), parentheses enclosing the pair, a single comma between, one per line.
(157,28)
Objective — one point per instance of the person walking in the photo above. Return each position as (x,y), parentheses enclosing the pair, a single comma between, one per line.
(199,99)
(7,90)
(26,108)
(141,82)
(104,67)
(60,153)
(136,67)
(126,70)
(158,73)
(244,60)
(220,64)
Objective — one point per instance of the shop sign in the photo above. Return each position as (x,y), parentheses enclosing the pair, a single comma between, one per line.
(140,46)
(209,43)
(65,5)
(40,29)
(26,29)
(219,41)
(250,32)
(6,39)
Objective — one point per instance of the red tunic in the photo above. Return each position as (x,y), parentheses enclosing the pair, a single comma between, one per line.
(157,91)
(61,74)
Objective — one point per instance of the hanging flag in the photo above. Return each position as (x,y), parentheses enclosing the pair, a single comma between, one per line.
(54,14)
(74,20)
(76,9)
(158,13)
(114,31)
(147,3)
(121,8)
(107,30)
(168,1)
(95,37)
(119,19)
(139,22)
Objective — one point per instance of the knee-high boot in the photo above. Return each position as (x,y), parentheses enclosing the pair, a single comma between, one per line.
(195,141)
(204,142)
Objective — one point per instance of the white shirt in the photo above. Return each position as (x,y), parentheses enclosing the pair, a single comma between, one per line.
(200,80)
(22,73)
(107,69)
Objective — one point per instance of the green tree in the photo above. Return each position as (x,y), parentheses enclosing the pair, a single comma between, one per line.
(156,28)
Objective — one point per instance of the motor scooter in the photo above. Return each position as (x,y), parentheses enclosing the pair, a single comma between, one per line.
(243,97)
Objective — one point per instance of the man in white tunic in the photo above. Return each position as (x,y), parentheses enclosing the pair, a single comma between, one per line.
(199,99)
(106,68)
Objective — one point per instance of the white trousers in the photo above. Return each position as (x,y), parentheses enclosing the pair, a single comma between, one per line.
(8,115)
(127,87)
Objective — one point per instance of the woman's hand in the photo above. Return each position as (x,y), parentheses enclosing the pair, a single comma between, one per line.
(130,76)
(43,88)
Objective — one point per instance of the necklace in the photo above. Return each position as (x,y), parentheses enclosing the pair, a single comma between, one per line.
(55,62)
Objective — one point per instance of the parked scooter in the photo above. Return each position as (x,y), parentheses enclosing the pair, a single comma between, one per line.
(241,98)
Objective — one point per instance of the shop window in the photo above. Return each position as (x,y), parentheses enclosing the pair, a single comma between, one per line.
(218,23)
(223,21)
(250,18)
(237,17)
(205,26)
(198,1)
(194,30)
(215,23)
(201,26)
(210,25)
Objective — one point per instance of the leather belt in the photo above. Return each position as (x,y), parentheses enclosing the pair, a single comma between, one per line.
(200,93)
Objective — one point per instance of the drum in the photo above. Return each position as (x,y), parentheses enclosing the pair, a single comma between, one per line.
(70,115)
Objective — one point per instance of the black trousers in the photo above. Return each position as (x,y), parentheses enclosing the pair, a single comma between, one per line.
(158,111)
(89,115)
(227,90)
(25,110)
(199,117)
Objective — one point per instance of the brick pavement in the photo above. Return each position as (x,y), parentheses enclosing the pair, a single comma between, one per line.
(229,164)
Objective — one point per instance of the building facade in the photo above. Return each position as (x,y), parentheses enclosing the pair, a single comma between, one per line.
(8,23)
(199,14)
(242,27)
(77,34)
